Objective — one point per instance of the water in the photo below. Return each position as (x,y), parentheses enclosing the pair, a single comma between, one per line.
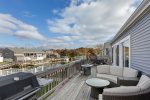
(31,69)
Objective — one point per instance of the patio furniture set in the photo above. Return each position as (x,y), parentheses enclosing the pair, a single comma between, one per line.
(119,83)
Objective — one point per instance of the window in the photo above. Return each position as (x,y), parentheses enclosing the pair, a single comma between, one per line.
(117,55)
(126,53)
(113,55)
(121,52)
(107,51)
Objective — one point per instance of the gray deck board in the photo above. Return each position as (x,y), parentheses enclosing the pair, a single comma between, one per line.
(74,89)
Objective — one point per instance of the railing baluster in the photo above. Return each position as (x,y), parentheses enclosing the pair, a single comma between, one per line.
(57,78)
(54,77)
(58,74)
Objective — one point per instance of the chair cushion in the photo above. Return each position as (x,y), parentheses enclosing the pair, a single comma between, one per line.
(124,89)
(103,69)
(116,70)
(100,97)
(128,72)
(144,82)
(111,78)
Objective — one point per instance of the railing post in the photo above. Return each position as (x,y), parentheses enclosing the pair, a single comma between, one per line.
(55,78)
(55,75)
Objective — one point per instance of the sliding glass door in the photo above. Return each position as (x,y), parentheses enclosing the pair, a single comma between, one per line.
(126,53)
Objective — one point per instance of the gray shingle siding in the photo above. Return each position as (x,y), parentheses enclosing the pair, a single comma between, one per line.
(139,43)
(7,53)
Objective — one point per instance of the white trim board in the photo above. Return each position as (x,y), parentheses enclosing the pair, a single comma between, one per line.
(127,38)
(122,40)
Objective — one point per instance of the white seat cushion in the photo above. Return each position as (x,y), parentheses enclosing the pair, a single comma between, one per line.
(116,70)
(100,97)
(124,89)
(144,82)
(103,69)
(128,72)
(108,77)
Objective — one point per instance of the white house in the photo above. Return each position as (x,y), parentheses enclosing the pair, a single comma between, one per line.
(23,55)
(107,49)
(1,58)
(52,54)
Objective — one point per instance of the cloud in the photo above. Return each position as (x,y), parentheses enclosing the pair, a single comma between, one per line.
(12,26)
(7,45)
(91,21)
(28,14)
(61,45)
(55,11)
(82,23)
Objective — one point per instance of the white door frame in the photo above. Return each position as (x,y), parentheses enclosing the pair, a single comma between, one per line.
(120,56)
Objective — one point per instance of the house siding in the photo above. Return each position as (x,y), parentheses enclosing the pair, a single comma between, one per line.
(139,44)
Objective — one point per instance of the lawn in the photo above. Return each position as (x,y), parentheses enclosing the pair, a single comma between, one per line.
(5,62)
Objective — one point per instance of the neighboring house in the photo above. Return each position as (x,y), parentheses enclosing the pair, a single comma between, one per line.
(1,58)
(23,55)
(131,45)
(67,59)
(107,52)
(52,54)
(107,49)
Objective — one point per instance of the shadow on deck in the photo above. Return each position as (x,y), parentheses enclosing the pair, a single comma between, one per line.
(74,89)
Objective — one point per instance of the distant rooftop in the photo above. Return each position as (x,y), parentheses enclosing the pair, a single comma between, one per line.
(24,50)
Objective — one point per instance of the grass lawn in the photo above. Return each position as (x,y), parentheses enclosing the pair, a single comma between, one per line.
(5,62)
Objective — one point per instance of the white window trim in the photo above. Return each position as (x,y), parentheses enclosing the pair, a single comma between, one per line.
(124,39)
(121,41)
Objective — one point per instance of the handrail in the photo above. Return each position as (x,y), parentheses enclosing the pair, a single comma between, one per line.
(59,76)
(54,69)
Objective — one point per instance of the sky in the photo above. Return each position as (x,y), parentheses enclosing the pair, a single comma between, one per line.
(61,24)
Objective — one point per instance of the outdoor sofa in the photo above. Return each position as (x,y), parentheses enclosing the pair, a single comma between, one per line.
(117,75)
(139,92)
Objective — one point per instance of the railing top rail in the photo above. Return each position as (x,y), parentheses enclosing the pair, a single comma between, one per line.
(51,70)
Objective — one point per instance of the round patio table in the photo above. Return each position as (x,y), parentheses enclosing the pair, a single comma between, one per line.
(97,86)
(87,69)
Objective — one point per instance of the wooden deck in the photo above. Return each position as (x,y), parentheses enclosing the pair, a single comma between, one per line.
(74,89)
